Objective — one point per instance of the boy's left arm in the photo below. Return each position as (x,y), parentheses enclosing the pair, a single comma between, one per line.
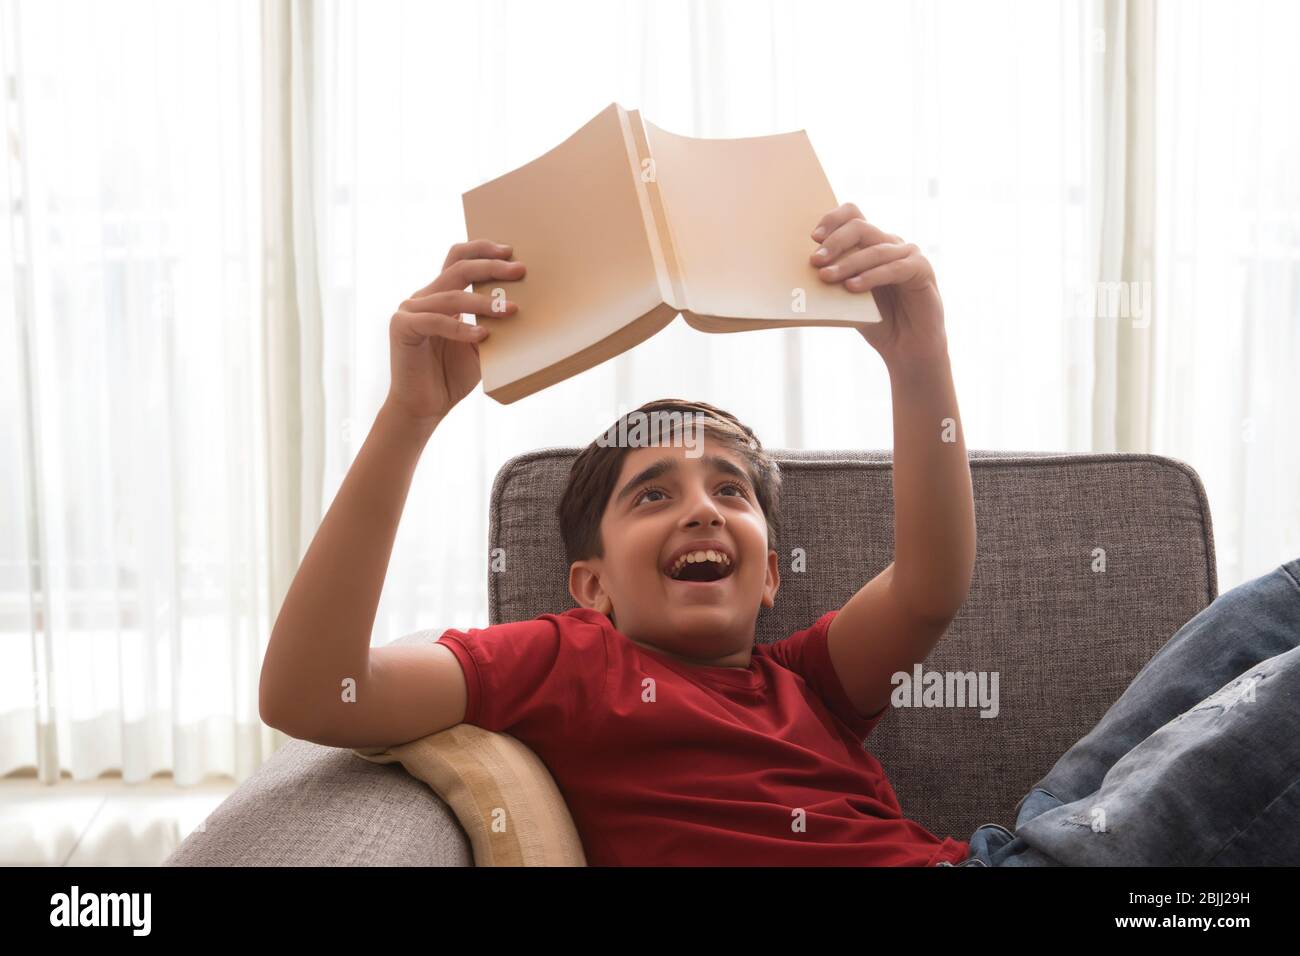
(896,619)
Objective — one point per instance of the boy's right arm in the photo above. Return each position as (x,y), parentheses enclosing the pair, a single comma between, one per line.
(321,638)
(321,681)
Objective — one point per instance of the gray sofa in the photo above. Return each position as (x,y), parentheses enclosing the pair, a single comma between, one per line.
(1065,639)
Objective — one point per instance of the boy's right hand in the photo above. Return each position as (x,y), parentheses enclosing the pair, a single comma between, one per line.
(434,354)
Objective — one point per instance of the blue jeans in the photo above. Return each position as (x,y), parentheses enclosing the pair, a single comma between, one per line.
(1196,764)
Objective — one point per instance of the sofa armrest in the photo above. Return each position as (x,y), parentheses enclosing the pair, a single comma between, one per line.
(309,805)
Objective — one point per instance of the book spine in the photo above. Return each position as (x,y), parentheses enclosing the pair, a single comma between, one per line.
(646,175)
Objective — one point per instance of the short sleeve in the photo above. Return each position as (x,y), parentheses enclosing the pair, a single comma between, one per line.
(531,678)
(807,654)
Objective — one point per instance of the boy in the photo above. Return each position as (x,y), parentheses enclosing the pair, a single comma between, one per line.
(673,737)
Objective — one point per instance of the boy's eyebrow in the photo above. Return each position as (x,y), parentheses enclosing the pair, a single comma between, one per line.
(665,465)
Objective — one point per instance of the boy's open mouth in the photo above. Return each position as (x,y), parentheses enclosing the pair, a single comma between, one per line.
(706,566)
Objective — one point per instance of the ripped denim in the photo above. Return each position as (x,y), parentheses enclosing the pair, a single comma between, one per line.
(1196,764)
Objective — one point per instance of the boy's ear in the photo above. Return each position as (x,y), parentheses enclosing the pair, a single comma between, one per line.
(773,581)
(585,588)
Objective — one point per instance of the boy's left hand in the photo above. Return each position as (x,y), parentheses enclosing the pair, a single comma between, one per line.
(863,257)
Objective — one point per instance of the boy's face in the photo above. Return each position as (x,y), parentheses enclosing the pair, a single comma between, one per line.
(649,519)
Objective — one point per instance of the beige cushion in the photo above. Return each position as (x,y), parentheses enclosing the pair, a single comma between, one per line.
(502,793)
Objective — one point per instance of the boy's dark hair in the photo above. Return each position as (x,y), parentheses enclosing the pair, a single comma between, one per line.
(596,469)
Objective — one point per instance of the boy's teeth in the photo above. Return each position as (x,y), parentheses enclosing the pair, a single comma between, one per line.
(695,557)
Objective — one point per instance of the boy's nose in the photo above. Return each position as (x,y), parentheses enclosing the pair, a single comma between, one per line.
(701,506)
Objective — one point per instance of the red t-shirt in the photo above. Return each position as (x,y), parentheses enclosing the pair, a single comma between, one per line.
(662,763)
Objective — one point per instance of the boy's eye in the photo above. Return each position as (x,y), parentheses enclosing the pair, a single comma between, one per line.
(652,491)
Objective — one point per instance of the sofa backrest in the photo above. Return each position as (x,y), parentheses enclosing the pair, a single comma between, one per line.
(1064,636)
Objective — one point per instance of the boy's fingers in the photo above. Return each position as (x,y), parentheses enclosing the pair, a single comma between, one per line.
(888,274)
(834,219)
(477,249)
(861,260)
(411,327)
(458,301)
(474,249)
(850,235)
(464,271)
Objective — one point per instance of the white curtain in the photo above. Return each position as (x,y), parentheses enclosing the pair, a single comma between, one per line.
(213,209)
(1122,223)
(134,519)
(1227,279)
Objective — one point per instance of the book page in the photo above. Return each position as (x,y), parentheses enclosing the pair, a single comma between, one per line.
(576,221)
(741,212)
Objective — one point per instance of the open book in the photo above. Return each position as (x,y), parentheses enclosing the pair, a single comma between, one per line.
(624,225)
